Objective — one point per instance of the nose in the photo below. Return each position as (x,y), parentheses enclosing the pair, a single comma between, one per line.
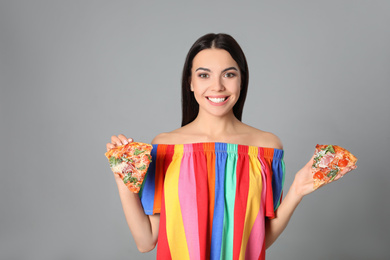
(218,85)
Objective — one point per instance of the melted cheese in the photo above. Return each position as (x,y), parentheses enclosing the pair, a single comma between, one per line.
(119,167)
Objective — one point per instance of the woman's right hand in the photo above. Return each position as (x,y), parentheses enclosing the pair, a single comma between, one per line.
(118,141)
(143,227)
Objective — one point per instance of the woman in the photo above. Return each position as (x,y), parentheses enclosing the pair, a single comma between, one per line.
(216,181)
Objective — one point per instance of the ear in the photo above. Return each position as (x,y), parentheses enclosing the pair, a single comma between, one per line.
(190,83)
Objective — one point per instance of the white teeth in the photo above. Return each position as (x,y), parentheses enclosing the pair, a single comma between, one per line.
(216,100)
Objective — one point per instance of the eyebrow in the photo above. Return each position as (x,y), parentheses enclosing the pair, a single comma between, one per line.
(230,68)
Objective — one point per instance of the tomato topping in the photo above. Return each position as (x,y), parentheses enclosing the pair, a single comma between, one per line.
(343,163)
(318,175)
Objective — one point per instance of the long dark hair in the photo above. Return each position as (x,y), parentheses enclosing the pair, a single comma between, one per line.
(190,107)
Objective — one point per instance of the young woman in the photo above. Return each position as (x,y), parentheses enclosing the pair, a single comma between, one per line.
(213,189)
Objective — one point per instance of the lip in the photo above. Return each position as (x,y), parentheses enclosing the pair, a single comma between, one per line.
(218,96)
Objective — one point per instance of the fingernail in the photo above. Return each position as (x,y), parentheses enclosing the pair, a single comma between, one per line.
(125,142)
(130,140)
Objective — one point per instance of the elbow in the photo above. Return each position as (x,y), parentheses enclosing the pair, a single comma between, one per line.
(267,245)
(146,248)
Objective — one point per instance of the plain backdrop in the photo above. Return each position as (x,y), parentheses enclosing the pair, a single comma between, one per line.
(74,73)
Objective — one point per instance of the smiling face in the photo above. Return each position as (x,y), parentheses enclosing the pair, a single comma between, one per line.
(215,81)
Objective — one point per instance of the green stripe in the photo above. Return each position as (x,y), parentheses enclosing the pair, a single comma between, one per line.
(230,194)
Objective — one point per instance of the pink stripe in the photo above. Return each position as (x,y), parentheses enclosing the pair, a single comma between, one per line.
(256,238)
(188,203)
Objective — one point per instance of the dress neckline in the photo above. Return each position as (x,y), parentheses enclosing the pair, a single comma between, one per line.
(219,147)
(223,143)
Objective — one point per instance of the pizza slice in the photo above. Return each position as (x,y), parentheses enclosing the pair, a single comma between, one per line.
(331,161)
(130,162)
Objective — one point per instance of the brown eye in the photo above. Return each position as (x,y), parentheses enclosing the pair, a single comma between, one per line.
(203,75)
(230,75)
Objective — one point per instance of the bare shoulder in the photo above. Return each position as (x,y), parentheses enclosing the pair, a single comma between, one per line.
(177,136)
(272,140)
(163,138)
(262,138)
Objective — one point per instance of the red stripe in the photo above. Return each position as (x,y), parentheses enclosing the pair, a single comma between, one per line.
(163,251)
(267,154)
(242,188)
(200,168)
(210,157)
(262,255)
(159,178)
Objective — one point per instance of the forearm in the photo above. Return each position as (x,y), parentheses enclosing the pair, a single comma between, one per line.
(144,228)
(274,227)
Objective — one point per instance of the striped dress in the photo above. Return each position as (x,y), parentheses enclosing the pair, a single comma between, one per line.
(213,199)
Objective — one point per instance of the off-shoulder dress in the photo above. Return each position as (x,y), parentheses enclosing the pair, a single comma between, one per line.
(212,198)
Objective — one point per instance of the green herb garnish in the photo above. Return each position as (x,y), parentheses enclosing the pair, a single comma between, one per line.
(129,178)
(143,167)
(137,152)
(126,159)
(133,180)
(316,160)
(329,148)
(114,161)
(333,174)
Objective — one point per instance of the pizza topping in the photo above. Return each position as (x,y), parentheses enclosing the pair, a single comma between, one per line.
(318,175)
(126,159)
(138,152)
(143,167)
(114,161)
(119,167)
(326,160)
(323,158)
(129,178)
(343,163)
(128,168)
(333,173)
(329,148)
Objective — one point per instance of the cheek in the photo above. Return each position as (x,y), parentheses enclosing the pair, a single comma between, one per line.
(235,86)
(196,91)
(198,87)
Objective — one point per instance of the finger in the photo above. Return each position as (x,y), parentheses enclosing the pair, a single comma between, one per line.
(346,170)
(109,146)
(123,139)
(115,140)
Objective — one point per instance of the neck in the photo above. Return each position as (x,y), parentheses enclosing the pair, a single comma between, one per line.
(215,127)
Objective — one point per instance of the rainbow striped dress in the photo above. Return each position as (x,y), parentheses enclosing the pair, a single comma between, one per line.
(213,199)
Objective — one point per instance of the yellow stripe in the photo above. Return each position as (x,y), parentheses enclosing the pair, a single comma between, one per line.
(175,228)
(254,198)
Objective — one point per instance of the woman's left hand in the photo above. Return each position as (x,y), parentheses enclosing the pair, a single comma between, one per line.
(304,183)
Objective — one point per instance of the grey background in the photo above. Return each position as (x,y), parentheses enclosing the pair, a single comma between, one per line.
(73,73)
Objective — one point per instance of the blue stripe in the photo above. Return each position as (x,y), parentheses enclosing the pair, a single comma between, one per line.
(277,176)
(219,204)
(148,186)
